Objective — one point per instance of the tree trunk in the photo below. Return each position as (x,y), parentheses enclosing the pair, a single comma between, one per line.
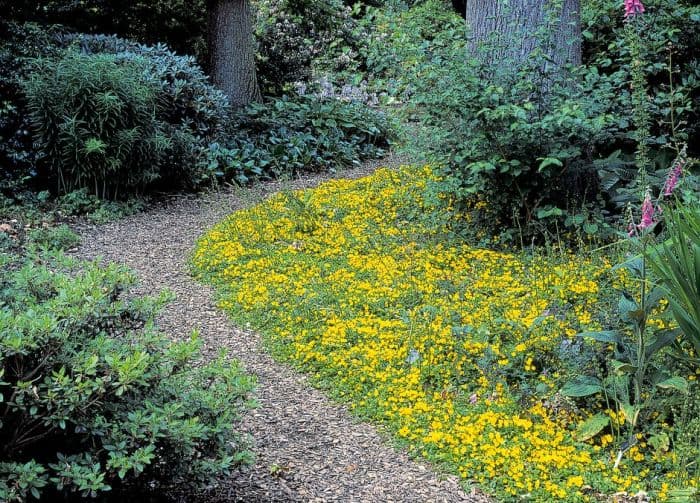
(506,32)
(232,50)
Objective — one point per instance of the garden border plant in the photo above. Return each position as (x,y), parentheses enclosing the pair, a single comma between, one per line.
(93,397)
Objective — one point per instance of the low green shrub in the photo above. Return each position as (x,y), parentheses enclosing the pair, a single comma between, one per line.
(186,112)
(59,238)
(515,160)
(292,134)
(93,398)
(118,118)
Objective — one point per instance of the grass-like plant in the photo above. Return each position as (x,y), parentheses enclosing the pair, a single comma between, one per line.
(676,262)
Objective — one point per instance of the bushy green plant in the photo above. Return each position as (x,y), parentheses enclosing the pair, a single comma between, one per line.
(289,135)
(401,39)
(93,398)
(60,237)
(295,37)
(21,44)
(179,23)
(189,100)
(511,156)
(668,36)
(95,122)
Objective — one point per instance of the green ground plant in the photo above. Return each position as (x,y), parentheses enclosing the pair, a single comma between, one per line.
(288,135)
(92,397)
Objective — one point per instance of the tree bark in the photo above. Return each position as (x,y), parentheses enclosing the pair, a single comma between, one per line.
(232,50)
(504,33)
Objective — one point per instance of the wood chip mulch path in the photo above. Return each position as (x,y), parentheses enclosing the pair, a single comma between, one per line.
(307,448)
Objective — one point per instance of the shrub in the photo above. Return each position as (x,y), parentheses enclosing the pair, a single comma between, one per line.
(118,117)
(190,101)
(510,156)
(93,398)
(669,35)
(538,161)
(59,238)
(181,24)
(193,112)
(296,36)
(95,122)
(21,44)
(291,134)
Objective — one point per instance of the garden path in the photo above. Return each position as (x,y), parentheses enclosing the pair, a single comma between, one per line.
(307,448)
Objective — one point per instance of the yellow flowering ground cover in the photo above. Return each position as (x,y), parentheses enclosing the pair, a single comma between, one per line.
(455,349)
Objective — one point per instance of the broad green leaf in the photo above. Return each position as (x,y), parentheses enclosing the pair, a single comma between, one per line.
(622,367)
(582,386)
(549,161)
(653,299)
(660,341)
(635,265)
(629,308)
(675,382)
(591,427)
(609,336)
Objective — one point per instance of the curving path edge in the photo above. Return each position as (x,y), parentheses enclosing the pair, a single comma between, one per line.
(307,448)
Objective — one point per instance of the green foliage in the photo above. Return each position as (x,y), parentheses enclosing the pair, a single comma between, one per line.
(401,40)
(297,38)
(21,44)
(525,157)
(93,398)
(288,135)
(190,103)
(58,238)
(95,123)
(640,379)
(668,29)
(119,117)
(179,23)
(676,262)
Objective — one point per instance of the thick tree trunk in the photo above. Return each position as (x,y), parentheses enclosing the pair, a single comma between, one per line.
(232,50)
(504,33)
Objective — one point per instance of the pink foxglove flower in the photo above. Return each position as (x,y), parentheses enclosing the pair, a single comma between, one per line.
(633,7)
(672,179)
(647,212)
(674,174)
